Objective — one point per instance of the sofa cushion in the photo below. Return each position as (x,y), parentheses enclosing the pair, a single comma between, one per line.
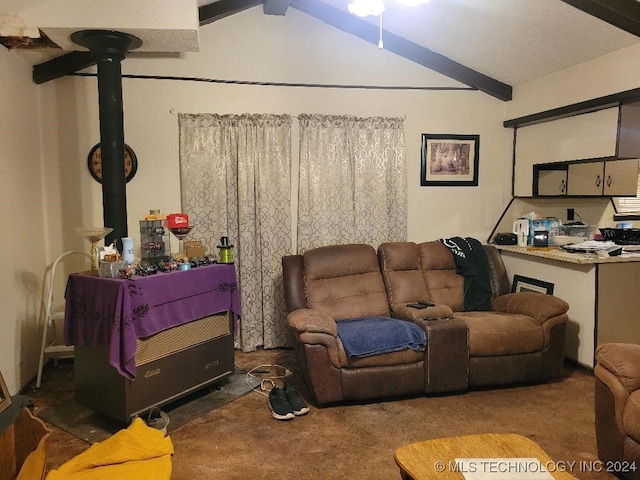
(471,263)
(403,310)
(495,333)
(399,256)
(344,281)
(400,357)
(435,256)
(445,287)
(405,286)
(400,264)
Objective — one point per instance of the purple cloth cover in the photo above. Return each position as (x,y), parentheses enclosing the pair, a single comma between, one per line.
(115,312)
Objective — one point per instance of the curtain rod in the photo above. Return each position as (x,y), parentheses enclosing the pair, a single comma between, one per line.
(279,84)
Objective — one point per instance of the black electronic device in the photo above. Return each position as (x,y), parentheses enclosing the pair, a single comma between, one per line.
(541,238)
(613,251)
(506,239)
(421,305)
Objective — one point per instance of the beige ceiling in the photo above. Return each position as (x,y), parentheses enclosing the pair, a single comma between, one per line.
(512,41)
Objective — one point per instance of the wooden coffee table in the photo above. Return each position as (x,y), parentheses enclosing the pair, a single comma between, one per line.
(435,459)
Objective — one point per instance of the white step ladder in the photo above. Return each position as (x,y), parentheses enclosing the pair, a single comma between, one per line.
(51,318)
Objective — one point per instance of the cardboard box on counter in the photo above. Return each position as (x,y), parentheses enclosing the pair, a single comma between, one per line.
(194,249)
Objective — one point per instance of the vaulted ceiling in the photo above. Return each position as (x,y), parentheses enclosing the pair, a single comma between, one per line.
(490,45)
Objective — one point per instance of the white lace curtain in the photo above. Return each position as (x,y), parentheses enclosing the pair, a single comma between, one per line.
(353,181)
(235,182)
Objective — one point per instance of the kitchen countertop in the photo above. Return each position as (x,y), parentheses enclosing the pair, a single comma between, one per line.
(556,253)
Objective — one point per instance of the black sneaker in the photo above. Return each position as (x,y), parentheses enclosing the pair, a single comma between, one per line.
(280,407)
(299,406)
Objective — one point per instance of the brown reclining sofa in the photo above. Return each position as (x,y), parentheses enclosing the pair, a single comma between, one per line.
(617,408)
(519,339)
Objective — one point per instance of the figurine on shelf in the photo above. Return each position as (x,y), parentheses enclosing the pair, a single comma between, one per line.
(168,266)
(109,253)
(110,261)
(127,272)
(146,268)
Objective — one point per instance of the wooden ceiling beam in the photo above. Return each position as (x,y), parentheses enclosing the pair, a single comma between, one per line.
(623,14)
(400,46)
(275,7)
(223,8)
(61,66)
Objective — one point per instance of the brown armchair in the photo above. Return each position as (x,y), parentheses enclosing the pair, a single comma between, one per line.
(617,407)
(329,284)
(520,339)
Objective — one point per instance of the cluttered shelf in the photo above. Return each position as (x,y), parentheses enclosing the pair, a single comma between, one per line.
(557,253)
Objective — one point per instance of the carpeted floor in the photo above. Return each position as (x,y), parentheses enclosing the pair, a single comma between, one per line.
(240,440)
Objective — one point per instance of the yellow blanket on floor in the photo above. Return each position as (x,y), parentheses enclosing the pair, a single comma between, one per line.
(138,452)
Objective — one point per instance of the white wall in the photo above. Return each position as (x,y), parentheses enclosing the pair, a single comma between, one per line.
(23,239)
(612,73)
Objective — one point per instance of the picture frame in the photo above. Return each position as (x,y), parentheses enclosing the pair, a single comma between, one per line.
(450,160)
(527,284)
(5,398)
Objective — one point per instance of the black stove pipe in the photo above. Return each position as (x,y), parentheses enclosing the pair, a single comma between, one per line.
(109,50)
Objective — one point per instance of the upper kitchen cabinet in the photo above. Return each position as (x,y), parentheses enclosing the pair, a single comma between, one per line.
(586,178)
(550,179)
(606,134)
(608,178)
(621,178)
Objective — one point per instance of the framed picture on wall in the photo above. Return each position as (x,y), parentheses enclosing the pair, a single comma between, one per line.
(526,284)
(450,160)
(5,398)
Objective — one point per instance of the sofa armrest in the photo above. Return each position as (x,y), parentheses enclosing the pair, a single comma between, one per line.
(447,355)
(313,328)
(312,321)
(618,368)
(293,282)
(536,305)
(623,361)
(403,311)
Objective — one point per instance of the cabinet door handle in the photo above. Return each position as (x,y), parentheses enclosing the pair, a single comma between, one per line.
(563,186)
(598,181)
(609,180)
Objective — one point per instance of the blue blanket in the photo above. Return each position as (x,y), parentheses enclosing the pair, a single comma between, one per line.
(363,337)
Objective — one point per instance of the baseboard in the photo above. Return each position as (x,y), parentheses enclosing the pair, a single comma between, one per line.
(575,365)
